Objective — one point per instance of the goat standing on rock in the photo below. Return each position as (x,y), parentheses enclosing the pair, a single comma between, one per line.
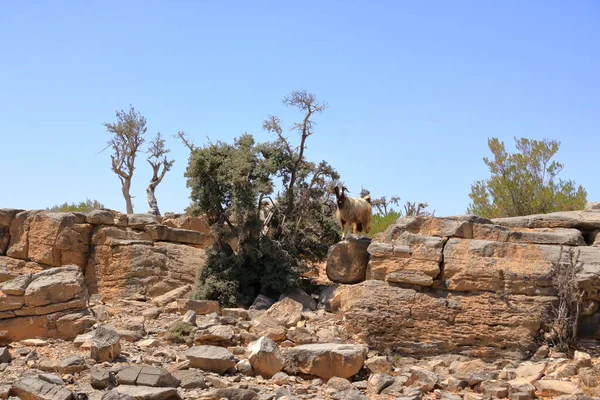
(353,212)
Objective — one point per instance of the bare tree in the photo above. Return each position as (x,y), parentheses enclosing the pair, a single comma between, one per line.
(308,104)
(128,135)
(185,140)
(157,158)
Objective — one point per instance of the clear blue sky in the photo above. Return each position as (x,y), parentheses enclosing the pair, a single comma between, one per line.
(414,89)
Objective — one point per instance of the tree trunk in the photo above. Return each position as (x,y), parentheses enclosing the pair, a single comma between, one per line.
(152,203)
(125,189)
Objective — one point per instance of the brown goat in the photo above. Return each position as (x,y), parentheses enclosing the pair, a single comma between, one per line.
(353,212)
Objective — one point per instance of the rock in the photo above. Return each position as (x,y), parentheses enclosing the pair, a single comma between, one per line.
(494,388)
(582,360)
(151,312)
(287,312)
(32,388)
(379,364)
(338,383)
(237,313)
(422,379)
(165,233)
(114,395)
(325,360)
(200,307)
(71,365)
(281,378)
(432,323)
(210,358)
(51,378)
(267,326)
(520,396)
(106,345)
(231,394)
(299,335)
(556,388)
(541,353)
(148,343)
(189,317)
(347,261)
(351,393)
(244,367)
(454,385)
(299,295)
(171,296)
(16,286)
(102,378)
(529,370)
(265,357)
(379,381)
(588,377)
(218,335)
(190,379)
(5,355)
(585,220)
(262,303)
(147,393)
(34,342)
(147,376)
(521,386)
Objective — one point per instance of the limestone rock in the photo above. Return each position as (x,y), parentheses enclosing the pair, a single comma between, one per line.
(55,285)
(106,345)
(299,295)
(379,364)
(210,358)
(147,376)
(171,296)
(287,312)
(494,388)
(5,356)
(190,379)
(262,302)
(556,388)
(147,393)
(378,381)
(325,360)
(33,388)
(268,326)
(347,261)
(71,365)
(265,357)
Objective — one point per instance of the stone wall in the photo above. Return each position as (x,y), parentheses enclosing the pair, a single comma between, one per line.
(119,254)
(471,285)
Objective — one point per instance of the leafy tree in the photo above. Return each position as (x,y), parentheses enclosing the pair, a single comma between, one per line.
(525,182)
(82,206)
(233,185)
(127,137)
(157,158)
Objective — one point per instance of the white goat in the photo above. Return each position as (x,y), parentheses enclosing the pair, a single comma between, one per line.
(353,212)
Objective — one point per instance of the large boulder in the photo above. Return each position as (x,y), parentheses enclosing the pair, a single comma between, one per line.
(265,357)
(347,261)
(210,358)
(287,312)
(325,360)
(34,388)
(106,345)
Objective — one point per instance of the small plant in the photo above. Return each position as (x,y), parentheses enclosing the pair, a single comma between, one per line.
(564,316)
(180,332)
(83,206)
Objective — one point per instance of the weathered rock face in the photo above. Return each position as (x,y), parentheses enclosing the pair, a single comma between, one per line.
(50,303)
(468,284)
(325,360)
(347,261)
(121,254)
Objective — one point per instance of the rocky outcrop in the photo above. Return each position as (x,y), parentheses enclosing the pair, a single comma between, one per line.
(120,254)
(51,303)
(470,285)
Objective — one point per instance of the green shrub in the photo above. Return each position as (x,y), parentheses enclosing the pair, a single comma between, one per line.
(83,206)
(180,332)
(379,223)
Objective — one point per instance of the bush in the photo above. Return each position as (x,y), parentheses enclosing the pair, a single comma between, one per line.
(379,223)
(232,185)
(83,206)
(180,332)
(563,321)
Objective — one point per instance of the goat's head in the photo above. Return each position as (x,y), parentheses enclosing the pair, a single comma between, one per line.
(340,195)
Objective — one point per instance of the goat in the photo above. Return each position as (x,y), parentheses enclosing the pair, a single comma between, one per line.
(353,212)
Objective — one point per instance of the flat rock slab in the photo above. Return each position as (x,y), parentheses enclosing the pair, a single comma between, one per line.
(147,376)
(190,379)
(325,360)
(31,388)
(210,358)
(147,393)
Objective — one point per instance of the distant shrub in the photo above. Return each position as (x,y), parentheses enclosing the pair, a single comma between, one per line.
(180,332)
(379,223)
(83,206)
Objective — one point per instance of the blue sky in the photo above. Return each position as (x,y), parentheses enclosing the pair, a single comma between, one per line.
(414,89)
